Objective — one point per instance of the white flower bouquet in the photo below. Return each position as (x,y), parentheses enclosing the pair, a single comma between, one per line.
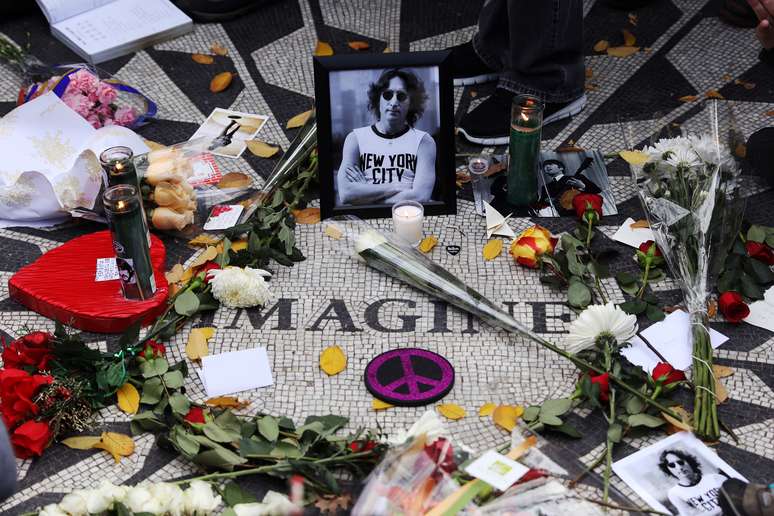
(689,189)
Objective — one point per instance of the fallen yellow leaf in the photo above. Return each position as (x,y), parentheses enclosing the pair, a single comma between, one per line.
(262,149)
(204,240)
(769,113)
(235,180)
(333,231)
(187,275)
(202,58)
(721,371)
(505,416)
(307,215)
(688,98)
(486,409)
(622,51)
(683,424)
(118,445)
(333,360)
(721,393)
(238,245)
(298,120)
(451,411)
(81,442)
(492,249)
(634,157)
(378,404)
(642,223)
(128,398)
(197,343)
(175,274)
(227,402)
(714,94)
(601,45)
(427,244)
(209,254)
(387,50)
(629,38)
(221,81)
(219,49)
(358,45)
(323,49)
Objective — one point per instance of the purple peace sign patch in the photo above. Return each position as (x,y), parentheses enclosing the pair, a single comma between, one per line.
(409,377)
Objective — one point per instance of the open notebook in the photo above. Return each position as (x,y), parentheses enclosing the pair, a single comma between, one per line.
(99,30)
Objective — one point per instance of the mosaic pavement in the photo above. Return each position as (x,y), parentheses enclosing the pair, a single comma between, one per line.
(689,51)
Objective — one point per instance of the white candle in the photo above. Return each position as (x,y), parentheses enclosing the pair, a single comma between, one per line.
(407,221)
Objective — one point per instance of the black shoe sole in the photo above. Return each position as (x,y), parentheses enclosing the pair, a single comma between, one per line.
(476,79)
(202,17)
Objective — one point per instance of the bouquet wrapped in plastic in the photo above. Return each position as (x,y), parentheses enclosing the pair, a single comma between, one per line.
(689,187)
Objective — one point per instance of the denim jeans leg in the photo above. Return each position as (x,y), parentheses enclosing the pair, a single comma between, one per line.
(537,44)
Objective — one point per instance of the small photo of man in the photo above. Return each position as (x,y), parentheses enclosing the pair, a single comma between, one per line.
(228,131)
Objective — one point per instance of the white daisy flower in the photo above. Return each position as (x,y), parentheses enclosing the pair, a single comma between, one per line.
(684,157)
(240,288)
(600,320)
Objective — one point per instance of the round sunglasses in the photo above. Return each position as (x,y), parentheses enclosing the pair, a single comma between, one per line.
(401,95)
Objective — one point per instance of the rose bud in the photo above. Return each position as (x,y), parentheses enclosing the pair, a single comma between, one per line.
(171,196)
(587,205)
(649,252)
(760,252)
(667,374)
(164,171)
(603,380)
(732,306)
(164,218)
(207,268)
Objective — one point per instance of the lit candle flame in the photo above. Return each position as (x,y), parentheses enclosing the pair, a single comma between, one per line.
(524,117)
(121,205)
(119,166)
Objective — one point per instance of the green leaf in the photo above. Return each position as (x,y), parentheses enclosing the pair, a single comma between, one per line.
(254,448)
(614,433)
(223,258)
(578,295)
(570,242)
(626,278)
(187,304)
(635,306)
(131,335)
(219,458)
(756,234)
(569,431)
(598,269)
(556,407)
(770,240)
(278,199)
(574,264)
(531,413)
(655,275)
(228,511)
(287,424)
(228,421)
(269,428)
(154,367)
(634,405)
(632,289)
(330,422)
(550,420)
(146,422)
(750,288)
(217,434)
(759,271)
(654,313)
(233,494)
(121,509)
(180,404)
(173,379)
(645,420)
(151,391)
(728,280)
(285,450)
(115,375)
(184,441)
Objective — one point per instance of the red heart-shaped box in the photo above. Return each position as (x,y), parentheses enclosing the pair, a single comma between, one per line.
(61,286)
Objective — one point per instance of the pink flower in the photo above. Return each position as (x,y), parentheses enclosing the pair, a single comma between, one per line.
(125,116)
(78,103)
(105,111)
(106,94)
(108,121)
(84,80)
(94,120)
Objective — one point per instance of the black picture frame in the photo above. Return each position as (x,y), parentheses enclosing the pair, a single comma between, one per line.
(445,187)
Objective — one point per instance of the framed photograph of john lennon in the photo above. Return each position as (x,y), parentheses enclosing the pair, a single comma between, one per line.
(385,131)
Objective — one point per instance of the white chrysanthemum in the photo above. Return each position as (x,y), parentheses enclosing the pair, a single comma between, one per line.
(170,496)
(706,148)
(273,504)
(683,157)
(140,499)
(74,503)
(199,499)
(597,320)
(52,510)
(240,288)
(666,146)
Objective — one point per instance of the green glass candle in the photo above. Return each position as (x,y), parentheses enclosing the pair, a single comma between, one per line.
(118,164)
(526,129)
(130,241)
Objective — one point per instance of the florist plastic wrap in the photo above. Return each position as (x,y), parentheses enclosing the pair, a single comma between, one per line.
(688,183)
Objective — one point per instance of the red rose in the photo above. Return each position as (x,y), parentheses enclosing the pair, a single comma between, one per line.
(760,252)
(207,268)
(195,415)
(154,349)
(667,374)
(585,202)
(361,446)
(33,350)
(17,388)
(30,439)
(603,380)
(732,306)
(442,453)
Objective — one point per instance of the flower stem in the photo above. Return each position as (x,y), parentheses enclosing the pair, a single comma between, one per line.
(609,449)
(589,232)
(645,275)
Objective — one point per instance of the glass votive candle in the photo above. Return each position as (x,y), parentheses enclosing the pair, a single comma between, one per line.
(118,164)
(524,150)
(407,219)
(130,242)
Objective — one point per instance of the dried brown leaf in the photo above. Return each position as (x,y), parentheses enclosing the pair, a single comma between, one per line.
(221,81)
(262,149)
(227,402)
(209,254)
(714,94)
(358,45)
(204,240)
(721,371)
(589,73)
(712,308)
(176,274)
(218,49)
(601,45)
(118,445)
(629,38)
(197,343)
(622,51)
(235,180)
(688,98)
(769,113)
(674,425)
(740,151)
(298,120)
(323,49)
(727,77)
(427,244)
(81,442)
(202,59)
(473,94)
(307,215)
(642,223)
(721,393)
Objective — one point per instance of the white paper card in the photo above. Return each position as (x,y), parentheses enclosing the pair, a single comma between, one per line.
(633,236)
(227,131)
(236,371)
(223,217)
(671,337)
(106,269)
(762,312)
(496,224)
(496,470)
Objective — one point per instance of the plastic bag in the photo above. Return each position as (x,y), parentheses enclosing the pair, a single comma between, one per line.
(95,95)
